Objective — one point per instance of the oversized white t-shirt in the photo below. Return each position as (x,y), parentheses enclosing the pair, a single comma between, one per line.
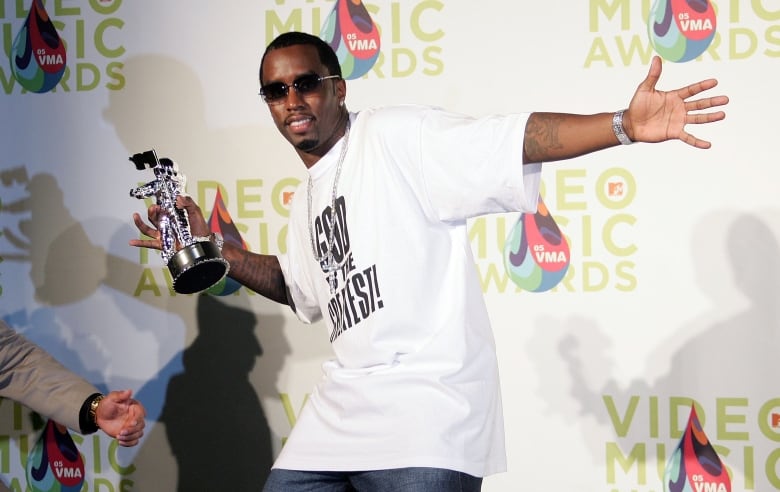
(414,381)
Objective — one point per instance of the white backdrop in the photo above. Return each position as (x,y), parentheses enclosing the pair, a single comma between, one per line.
(671,294)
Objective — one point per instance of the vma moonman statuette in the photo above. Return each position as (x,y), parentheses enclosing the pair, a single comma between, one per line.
(198,263)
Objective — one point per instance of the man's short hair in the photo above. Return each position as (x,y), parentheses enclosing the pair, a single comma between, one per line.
(324,50)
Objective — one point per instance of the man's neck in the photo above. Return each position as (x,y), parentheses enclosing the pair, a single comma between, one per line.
(311,158)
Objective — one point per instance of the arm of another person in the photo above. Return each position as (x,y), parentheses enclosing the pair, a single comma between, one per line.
(652,116)
(261,273)
(32,377)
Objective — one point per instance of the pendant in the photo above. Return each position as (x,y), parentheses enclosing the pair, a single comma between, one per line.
(330,267)
(332,282)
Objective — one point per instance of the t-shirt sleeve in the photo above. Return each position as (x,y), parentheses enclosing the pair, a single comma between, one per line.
(300,290)
(474,166)
(302,303)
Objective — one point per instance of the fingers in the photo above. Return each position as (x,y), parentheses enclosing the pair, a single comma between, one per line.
(131,435)
(147,230)
(134,425)
(122,417)
(120,396)
(700,105)
(695,142)
(653,75)
(198,224)
(701,118)
(706,103)
(696,88)
(186,201)
(129,442)
(143,226)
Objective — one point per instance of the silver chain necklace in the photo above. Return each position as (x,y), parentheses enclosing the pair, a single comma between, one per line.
(326,261)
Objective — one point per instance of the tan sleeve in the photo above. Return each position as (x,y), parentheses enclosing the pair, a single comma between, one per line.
(32,377)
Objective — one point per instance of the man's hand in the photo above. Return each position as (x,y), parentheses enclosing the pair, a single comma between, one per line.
(198,224)
(121,417)
(656,116)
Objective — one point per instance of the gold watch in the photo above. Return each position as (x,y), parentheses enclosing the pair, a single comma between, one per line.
(93,406)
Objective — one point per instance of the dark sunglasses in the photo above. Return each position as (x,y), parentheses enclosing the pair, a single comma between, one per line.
(305,84)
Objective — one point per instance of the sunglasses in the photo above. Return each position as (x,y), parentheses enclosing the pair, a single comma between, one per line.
(305,84)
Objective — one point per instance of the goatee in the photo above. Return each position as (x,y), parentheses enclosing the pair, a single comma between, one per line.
(307,145)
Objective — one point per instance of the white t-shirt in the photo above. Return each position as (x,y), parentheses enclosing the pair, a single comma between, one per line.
(414,382)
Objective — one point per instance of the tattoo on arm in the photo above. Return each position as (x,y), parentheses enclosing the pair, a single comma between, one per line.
(541,136)
(261,273)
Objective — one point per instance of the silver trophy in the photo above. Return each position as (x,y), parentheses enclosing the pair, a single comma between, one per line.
(198,264)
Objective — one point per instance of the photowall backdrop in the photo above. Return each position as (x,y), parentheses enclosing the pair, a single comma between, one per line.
(669,300)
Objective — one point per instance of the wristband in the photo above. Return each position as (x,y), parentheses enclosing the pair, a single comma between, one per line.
(214,237)
(617,127)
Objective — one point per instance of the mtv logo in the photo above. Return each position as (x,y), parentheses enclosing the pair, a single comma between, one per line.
(775,420)
(287,197)
(615,188)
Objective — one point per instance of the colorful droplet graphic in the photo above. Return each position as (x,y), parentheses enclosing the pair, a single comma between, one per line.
(354,37)
(694,465)
(38,53)
(220,221)
(54,463)
(681,30)
(536,254)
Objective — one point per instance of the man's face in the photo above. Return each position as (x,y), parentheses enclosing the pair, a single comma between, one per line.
(310,122)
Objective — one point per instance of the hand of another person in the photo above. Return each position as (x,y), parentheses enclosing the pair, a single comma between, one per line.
(656,116)
(121,417)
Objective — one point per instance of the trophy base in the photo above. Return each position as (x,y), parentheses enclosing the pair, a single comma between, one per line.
(197,267)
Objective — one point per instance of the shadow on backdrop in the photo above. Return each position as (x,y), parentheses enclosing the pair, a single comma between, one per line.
(728,353)
(216,427)
(213,420)
(163,107)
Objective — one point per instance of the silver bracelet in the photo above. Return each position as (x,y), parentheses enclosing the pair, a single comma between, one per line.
(617,127)
(214,237)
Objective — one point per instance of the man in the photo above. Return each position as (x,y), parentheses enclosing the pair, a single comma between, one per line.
(29,375)
(377,246)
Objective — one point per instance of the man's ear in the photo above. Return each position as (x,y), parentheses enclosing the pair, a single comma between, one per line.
(341,90)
